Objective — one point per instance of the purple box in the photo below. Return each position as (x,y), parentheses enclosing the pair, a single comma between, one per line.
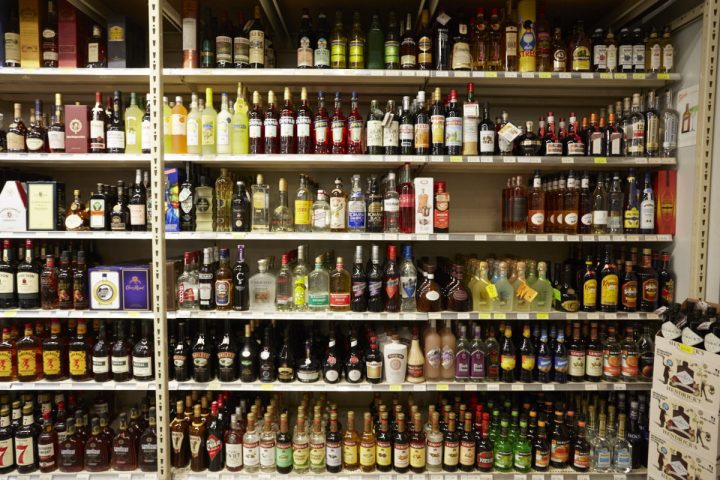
(136,287)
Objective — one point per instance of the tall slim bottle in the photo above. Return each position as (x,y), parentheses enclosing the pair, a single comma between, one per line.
(208,124)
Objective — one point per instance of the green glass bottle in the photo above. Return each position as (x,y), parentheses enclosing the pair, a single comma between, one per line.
(522,450)
(375,44)
(503,450)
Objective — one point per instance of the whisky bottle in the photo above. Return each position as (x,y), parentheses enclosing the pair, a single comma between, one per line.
(137,204)
(56,131)
(79,350)
(29,356)
(115,132)
(27,279)
(120,214)
(49,285)
(142,355)
(101,356)
(241,209)
(36,137)
(71,449)
(26,442)
(120,353)
(47,446)
(55,354)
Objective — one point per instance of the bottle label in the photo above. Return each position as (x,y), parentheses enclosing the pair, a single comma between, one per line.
(451,453)
(577,363)
(553,148)
(115,139)
(256,39)
(120,364)
(51,362)
(600,52)
(233,452)
(338,53)
(629,294)
(461,57)
(100,364)
(142,366)
(487,141)
(392,52)
(437,127)
(511,41)
(422,135)
(305,53)
(544,364)
(425,50)
(333,454)
(647,215)
(24,451)
(271,128)
(383,451)
(507,362)
(251,454)
(590,292)
(6,360)
(612,363)
(542,458)
(254,128)
(223,133)
(668,54)
(417,454)
(433,357)
(7,283)
(594,363)
(193,132)
(434,453)
(56,140)
(138,215)
(6,452)
(390,134)
(267,453)
(407,135)
(317,455)
(12,48)
(609,290)
(223,290)
(454,132)
(374,133)
(367,454)
(638,53)
(559,450)
(356,55)
(350,452)
(27,365)
(338,131)
(322,53)
(339,300)
(689,337)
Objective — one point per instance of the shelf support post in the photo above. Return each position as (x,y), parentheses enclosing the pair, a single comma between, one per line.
(159,284)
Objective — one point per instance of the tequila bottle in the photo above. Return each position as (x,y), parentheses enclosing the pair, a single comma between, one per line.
(223,201)
(282,216)
(318,291)
(502,301)
(260,206)
(262,288)
(284,287)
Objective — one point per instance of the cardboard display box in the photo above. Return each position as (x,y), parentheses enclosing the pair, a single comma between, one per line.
(670,461)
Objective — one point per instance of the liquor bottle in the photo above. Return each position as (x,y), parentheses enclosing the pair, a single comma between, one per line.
(437,124)
(180,444)
(507,357)
(668,127)
(251,446)
(648,283)
(96,49)
(284,447)
(367,449)
(124,448)
(305,45)
(197,441)
(356,51)
(375,214)
(334,446)
(260,205)
(340,288)
(147,445)
(647,208)
(49,285)
(354,363)
(300,278)
(208,125)
(47,445)
(350,445)
(421,127)
(308,368)
(355,206)
(35,140)
(261,288)
(391,281)
(339,127)
(322,129)
(202,370)
(17,131)
(271,120)
(503,449)
(27,280)
(338,44)
(486,133)
(242,210)
(56,131)
(392,43)
(120,355)
(510,63)
(406,128)
(635,133)
(137,204)
(26,442)
(318,291)
(248,366)
(257,41)
(284,286)
(133,124)
(142,355)
(115,132)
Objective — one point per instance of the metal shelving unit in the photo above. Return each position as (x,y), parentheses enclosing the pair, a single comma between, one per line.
(44,386)
(565,474)
(37,313)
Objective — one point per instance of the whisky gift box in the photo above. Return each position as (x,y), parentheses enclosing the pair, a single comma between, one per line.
(105,288)
(13,207)
(43,205)
(77,128)
(686,425)
(136,287)
(665,201)
(424,205)
(72,36)
(29,15)
(670,461)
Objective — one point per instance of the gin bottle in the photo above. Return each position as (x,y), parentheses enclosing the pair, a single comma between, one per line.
(260,206)
(262,288)
(318,296)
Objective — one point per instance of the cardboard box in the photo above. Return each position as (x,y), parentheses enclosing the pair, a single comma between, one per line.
(29,13)
(670,461)
(665,201)
(77,130)
(117,44)
(173,270)
(687,374)
(136,287)
(106,290)
(694,428)
(424,207)
(13,207)
(72,36)
(43,206)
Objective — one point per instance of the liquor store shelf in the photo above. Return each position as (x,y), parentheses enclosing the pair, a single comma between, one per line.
(37,313)
(413,237)
(44,385)
(24,83)
(553,474)
(413,316)
(432,162)
(334,162)
(109,475)
(216,385)
(84,235)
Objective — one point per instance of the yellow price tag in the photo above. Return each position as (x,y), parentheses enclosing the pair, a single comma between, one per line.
(620,76)
(545,75)
(215,385)
(484,316)
(266,386)
(606,76)
(543,316)
(456,159)
(443,387)
(10,313)
(600,160)
(238,235)
(663,76)
(500,316)
(490,74)
(134,314)
(491,291)
(687,348)
(638,76)
(395,388)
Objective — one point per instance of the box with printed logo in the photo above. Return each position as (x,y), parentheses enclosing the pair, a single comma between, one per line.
(106,290)
(424,196)
(136,287)
(670,461)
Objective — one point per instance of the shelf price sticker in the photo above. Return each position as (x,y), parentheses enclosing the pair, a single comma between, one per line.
(395,387)
(471,387)
(591,386)
(528,75)
(10,313)
(600,159)
(557,476)
(456,158)
(238,235)
(490,74)
(638,76)
(663,76)
(518,476)
(620,386)
(620,76)
(587,75)
(543,316)
(619,476)
(266,386)
(493,387)
(606,76)
(500,316)
(134,314)
(583,477)
(442,387)
(545,75)
(511,75)
(686,348)
(484,315)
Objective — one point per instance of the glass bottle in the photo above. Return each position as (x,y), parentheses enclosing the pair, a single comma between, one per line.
(303,206)
(375,293)
(353,365)
(29,356)
(242,209)
(284,286)
(338,208)
(251,446)
(340,288)
(147,445)
(350,445)
(223,196)
(260,205)
(321,215)
(356,54)
(338,43)
(391,281)
(262,288)
(27,280)
(300,279)
(248,358)
(318,296)
(408,280)
(356,207)
(367,445)
(668,127)
(503,449)
(334,446)
(49,284)
(601,453)
(124,448)
(267,446)
(284,447)
(502,301)
(271,120)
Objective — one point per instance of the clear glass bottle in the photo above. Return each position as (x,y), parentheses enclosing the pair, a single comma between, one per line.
(188,286)
(260,205)
(340,288)
(622,450)
(338,208)
(600,449)
(251,446)
(318,291)
(317,447)
(669,124)
(262,288)
(284,286)
(300,281)
(321,213)
(267,446)
(282,216)
(301,447)
(616,198)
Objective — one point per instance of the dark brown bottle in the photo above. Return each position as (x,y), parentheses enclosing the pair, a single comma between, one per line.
(124,448)
(120,354)
(101,356)
(97,449)
(7,457)
(428,296)
(147,452)
(26,442)
(47,446)
(401,447)
(198,450)
(201,354)
(179,440)
(65,283)
(72,450)
(142,355)
(80,300)
(458,295)
(79,353)
(49,284)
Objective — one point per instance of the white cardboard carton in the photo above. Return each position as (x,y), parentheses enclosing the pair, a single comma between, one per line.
(424,204)
(13,207)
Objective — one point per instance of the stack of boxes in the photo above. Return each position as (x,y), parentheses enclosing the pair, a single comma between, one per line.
(684,413)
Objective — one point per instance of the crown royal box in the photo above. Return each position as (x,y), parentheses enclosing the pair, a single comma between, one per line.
(136,287)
